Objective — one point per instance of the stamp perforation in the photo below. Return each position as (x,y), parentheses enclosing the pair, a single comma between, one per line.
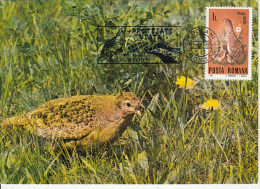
(241,73)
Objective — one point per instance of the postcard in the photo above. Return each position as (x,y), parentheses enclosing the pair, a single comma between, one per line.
(153,93)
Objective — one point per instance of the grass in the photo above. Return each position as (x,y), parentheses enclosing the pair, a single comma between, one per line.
(48,51)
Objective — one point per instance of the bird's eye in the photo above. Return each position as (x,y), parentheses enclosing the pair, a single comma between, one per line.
(128,104)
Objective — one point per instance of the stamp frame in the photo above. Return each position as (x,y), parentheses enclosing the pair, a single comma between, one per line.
(249,53)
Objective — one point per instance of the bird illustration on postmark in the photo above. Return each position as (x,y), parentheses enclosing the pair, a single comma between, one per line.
(233,26)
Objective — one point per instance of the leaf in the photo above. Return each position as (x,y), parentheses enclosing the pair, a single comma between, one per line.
(150,109)
(22,25)
(149,15)
(6,23)
(128,82)
(50,165)
(133,134)
(165,12)
(164,177)
(161,126)
(167,107)
(88,165)
(63,4)
(153,103)
(143,161)
(26,45)
(71,3)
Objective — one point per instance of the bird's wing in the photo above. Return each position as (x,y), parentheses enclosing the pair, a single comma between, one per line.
(70,118)
(71,131)
(225,42)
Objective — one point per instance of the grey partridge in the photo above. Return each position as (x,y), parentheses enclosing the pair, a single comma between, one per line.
(81,122)
(233,50)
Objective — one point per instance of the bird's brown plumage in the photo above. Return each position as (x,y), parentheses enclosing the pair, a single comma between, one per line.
(232,51)
(81,121)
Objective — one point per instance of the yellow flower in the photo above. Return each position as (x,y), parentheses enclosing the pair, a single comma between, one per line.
(182,80)
(211,104)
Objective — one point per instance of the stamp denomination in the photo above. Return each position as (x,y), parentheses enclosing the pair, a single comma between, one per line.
(233,26)
(139,44)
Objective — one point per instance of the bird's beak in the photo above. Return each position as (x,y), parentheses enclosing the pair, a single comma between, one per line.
(138,112)
(140,109)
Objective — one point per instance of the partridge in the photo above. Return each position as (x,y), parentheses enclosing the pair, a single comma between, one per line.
(233,51)
(81,122)
(112,46)
(163,51)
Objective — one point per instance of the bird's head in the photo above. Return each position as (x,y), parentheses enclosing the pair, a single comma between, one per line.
(129,104)
(227,22)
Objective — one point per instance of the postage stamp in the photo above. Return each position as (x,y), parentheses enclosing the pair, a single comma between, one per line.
(233,27)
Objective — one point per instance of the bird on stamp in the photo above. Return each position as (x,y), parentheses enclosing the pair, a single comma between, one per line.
(81,122)
(232,50)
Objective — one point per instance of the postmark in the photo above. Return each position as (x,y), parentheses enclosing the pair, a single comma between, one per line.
(196,41)
(233,26)
(139,44)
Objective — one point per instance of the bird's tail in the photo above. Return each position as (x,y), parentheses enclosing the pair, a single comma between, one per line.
(15,121)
